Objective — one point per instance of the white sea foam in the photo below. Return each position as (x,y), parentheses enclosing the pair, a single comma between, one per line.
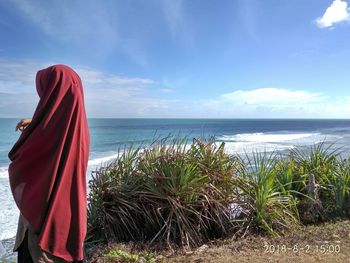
(268,142)
(9,212)
(267,137)
(102,160)
(250,147)
(4,172)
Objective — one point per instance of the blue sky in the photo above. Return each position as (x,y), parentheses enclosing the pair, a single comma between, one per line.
(182,58)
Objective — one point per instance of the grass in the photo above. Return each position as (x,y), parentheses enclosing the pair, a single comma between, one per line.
(186,195)
(119,255)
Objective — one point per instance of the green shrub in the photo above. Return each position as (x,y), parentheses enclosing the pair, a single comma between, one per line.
(327,196)
(168,192)
(268,201)
(338,184)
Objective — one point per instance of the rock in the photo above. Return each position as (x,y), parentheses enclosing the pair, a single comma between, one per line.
(202,249)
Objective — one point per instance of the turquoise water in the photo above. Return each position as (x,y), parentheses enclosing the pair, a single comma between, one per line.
(107,135)
(240,135)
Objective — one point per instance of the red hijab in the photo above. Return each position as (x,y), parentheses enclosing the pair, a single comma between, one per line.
(49,162)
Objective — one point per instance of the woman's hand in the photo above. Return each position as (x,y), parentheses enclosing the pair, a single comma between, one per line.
(23,124)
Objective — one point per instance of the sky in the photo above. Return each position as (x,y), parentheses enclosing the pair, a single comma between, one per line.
(182,58)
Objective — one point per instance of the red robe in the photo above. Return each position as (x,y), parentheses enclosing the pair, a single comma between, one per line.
(49,161)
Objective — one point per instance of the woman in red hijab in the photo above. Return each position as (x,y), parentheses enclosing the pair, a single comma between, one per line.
(48,171)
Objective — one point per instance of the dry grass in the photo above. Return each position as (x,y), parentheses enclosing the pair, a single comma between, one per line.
(250,249)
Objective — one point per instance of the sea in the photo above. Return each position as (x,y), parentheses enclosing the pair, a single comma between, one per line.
(110,136)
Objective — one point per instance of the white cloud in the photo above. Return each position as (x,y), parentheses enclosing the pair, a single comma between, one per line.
(71,22)
(106,95)
(178,22)
(337,12)
(17,76)
(109,95)
(275,103)
(272,97)
(98,29)
(89,26)
(167,90)
(112,95)
(173,11)
(95,77)
(17,105)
